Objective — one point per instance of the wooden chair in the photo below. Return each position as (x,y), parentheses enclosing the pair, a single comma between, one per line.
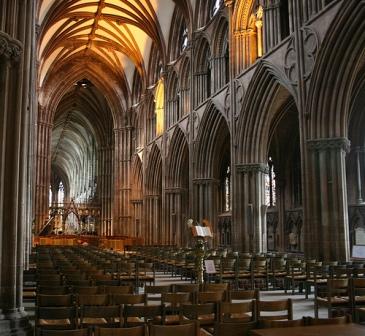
(244,295)
(337,297)
(296,277)
(73,332)
(154,293)
(192,289)
(53,290)
(134,315)
(237,311)
(281,323)
(185,329)
(95,310)
(171,305)
(333,320)
(205,313)
(207,297)
(244,275)
(89,290)
(55,312)
(278,272)
(128,299)
(233,329)
(283,310)
(132,331)
(357,295)
(127,289)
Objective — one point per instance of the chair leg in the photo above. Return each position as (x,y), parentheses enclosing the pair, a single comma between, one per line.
(315,308)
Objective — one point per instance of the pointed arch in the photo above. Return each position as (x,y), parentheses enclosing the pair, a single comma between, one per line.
(267,91)
(154,172)
(330,93)
(178,161)
(212,140)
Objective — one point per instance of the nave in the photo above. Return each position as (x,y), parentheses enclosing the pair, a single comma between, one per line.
(89,288)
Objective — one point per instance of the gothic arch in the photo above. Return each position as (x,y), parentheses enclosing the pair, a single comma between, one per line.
(212,136)
(178,161)
(54,90)
(248,46)
(268,89)
(153,198)
(220,37)
(202,69)
(330,93)
(172,110)
(178,23)
(154,172)
(137,178)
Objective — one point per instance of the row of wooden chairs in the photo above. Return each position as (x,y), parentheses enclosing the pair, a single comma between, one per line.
(192,328)
(342,294)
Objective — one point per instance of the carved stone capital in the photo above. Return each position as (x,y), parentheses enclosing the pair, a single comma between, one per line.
(329,143)
(206,181)
(10,48)
(253,167)
(229,3)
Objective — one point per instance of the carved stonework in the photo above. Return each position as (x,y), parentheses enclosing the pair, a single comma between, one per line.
(291,65)
(311,44)
(253,167)
(10,48)
(293,229)
(329,143)
(227,102)
(196,122)
(272,220)
(239,97)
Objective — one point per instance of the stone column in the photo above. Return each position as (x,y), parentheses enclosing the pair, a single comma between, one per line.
(271,23)
(326,224)
(250,234)
(43,171)
(106,190)
(218,72)
(16,124)
(205,198)
(122,178)
(175,216)
(153,219)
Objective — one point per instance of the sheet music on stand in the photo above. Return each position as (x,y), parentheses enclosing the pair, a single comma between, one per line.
(201,231)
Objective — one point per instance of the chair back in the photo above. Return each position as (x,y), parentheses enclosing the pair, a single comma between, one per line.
(283,310)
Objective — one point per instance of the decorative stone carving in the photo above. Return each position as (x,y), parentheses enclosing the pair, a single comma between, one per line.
(311,44)
(239,97)
(290,62)
(227,102)
(252,167)
(310,49)
(329,143)
(10,48)
(293,229)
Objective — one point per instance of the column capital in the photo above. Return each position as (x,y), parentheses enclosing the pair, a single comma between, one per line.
(253,167)
(328,144)
(175,190)
(205,180)
(229,3)
(10,48)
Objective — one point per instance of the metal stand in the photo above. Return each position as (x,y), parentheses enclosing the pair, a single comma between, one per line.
(199,263)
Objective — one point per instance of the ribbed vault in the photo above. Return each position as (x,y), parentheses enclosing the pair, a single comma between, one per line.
(119,32)
(81,127)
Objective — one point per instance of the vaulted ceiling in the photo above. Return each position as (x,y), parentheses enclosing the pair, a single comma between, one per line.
(116,36)
(119,32)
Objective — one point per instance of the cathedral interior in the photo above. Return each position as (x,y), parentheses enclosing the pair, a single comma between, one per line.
(123,123)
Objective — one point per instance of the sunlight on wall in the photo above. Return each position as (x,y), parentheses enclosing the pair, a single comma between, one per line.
(159,107)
